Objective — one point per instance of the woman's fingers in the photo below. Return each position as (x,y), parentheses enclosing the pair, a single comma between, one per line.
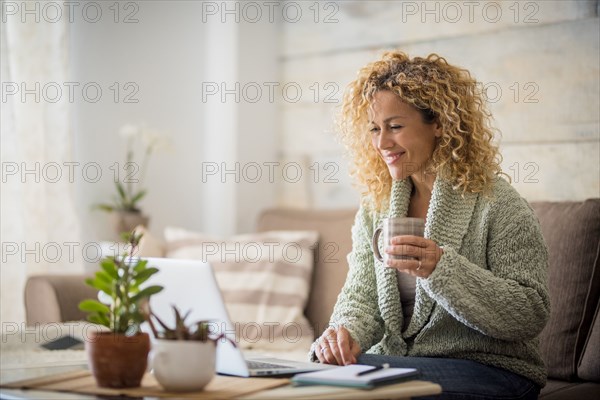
(337,354)
(406,250)
(355,349)
(333,351)
(319,353)
(414,255)
(324,352)
(337,347)
(418,241)
(345,342)
(326,356)
(412,267)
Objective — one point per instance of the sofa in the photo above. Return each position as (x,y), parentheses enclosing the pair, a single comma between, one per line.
(570,343)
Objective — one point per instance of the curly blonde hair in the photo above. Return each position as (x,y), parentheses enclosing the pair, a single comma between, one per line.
(464,155)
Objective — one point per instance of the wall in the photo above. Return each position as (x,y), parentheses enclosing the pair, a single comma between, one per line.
(167,72)
(548,50)
(539,60)
(117,63)
(241,120)
(169,54)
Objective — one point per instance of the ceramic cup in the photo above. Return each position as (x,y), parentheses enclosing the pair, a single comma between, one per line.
(398,226)
(180,365)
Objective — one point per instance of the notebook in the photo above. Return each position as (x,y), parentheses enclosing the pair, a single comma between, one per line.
(348,376)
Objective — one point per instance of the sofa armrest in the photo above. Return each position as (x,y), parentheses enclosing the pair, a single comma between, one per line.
(55,298)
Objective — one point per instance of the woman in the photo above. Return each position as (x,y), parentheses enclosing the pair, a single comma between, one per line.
(419,133)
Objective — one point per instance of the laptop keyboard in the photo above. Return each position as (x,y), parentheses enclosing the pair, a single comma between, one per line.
(264,365)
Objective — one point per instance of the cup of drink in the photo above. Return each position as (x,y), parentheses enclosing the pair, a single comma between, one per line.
(397,226)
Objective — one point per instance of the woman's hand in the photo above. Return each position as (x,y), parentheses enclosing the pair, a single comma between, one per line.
(424,254)
(336,346)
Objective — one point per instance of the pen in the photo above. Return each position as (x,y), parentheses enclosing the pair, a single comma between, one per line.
(368,371)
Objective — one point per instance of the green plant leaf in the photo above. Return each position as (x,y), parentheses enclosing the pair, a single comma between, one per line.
(147,292)
(103,276)
(104,207)
(141,265)
(118,292)
(144,275)
(93,306)
(99,319)
(100,285)
(126,236)
(201,332)
(138,318)
(90,282)
(165,327)
(123,322)
(120,278)
(138,197)
(121,191)
(108,265)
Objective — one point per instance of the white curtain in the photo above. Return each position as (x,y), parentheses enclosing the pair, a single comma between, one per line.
(39,224)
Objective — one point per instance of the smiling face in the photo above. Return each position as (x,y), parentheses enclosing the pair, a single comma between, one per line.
(403,139)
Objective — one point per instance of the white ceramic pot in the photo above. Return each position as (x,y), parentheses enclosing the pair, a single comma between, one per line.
(181,365)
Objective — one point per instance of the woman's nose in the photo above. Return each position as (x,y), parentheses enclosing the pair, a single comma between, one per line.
(384,140)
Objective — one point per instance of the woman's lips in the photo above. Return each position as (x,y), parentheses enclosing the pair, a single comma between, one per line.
(392,158)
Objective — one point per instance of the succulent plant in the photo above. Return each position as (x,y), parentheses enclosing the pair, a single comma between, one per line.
(198,331)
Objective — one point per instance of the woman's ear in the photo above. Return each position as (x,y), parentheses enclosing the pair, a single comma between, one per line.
(438,129)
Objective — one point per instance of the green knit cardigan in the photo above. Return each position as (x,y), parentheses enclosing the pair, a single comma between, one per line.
(487,299)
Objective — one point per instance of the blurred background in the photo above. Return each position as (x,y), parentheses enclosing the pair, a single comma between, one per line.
(232,107)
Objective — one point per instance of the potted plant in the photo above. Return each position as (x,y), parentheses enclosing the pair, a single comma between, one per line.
(183,357)
(118,357)
(129,179)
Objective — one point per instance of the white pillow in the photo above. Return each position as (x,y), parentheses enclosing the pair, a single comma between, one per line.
(265,280)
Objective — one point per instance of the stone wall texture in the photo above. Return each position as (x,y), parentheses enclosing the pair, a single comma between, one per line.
(539,61)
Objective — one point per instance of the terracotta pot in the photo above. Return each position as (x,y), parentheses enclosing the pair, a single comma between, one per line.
(116,360)
(125,221)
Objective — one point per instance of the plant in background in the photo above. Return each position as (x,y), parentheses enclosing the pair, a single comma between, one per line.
(197,331)
(130,190)
(121,308)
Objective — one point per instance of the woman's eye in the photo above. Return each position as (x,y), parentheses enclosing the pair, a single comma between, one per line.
(395,126)
(374,129)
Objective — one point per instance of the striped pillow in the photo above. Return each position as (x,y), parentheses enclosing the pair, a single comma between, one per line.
(265,281)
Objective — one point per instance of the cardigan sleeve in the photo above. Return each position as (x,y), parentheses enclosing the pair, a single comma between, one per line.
(508,298)
(357,307)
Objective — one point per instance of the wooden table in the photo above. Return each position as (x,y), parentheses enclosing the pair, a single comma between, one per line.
(18,367)
(404,390)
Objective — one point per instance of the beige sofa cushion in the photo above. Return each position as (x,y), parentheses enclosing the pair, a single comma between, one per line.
(331,267)
(264,279)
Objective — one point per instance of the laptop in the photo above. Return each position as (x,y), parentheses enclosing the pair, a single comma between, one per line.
(191,286)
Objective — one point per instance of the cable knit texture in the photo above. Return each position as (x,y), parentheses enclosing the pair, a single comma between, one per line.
(487,299)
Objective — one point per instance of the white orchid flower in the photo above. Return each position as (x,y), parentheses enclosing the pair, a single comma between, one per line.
(154,140)
(130,131)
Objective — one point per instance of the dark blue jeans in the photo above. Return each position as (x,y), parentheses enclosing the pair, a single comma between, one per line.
(462,379)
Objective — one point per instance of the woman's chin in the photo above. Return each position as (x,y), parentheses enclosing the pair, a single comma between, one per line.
(397,174)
